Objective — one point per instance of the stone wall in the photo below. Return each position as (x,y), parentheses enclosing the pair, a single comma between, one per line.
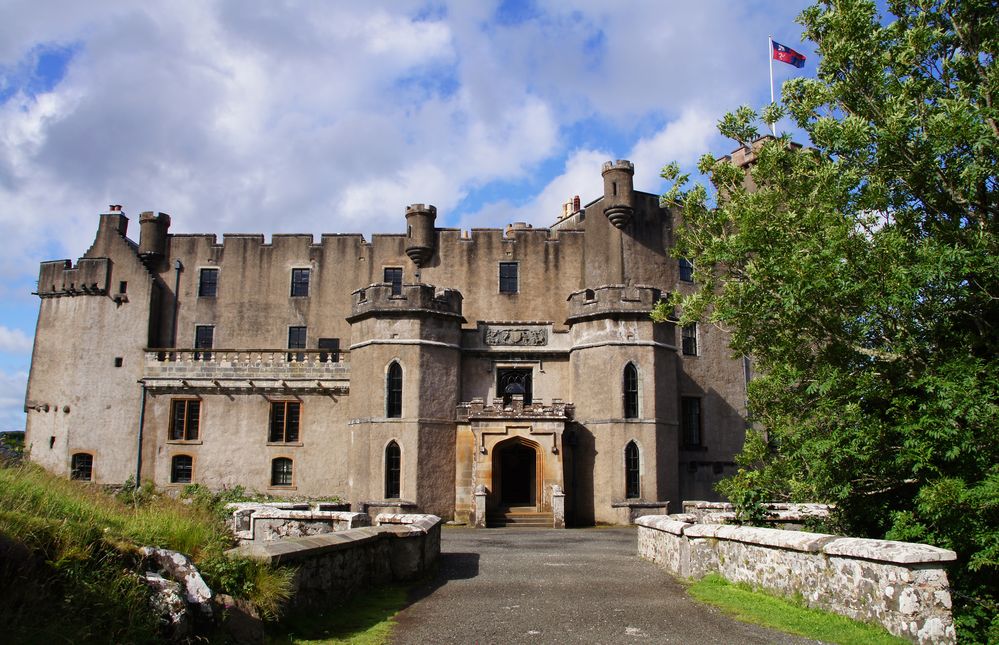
(780,515)
(899,585)
(334,566)
(256,522)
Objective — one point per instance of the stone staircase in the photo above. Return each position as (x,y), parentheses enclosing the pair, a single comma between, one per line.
(519,517)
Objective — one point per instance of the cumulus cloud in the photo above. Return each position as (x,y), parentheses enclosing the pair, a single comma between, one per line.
(12,388)
(14,340)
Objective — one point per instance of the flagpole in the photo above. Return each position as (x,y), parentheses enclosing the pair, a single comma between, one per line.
(770,55)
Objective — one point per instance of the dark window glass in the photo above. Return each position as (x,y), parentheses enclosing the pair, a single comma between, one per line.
(393,470)
(632,482)
(630,392)
(394,277)
(185,419)
(689,336)
(281,472)
(181,469)
(300,282)
(393,391)
(686,270)
(333,347)
(123,286)
(82,467)
(208,283)
(204,338)
(690,412)
(508,277)
(514,381)
(285,416)
(296,340)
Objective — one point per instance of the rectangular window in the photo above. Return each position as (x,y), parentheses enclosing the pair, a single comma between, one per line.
(332,347)
(690,412)
(689,337)
(508,277)
(185,419)
(285,416)
(393,275)
(181,469)
(281,471)
(82,467)
(686,270)
(204,338)
(208,283)
(510,381)
(296,340)
(300,282)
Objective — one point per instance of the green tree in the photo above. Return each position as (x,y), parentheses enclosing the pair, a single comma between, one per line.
(861,274)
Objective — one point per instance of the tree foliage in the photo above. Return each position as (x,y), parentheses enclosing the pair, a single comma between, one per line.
(861,274)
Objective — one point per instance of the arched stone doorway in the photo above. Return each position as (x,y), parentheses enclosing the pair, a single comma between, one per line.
(517,473)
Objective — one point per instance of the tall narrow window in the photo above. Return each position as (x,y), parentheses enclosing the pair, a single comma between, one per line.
(181,469)
(632,479)
(300,282)
(332,347)
(690,413)
(281,470)
(208,283)
(204,338)
(393,391)
(689,337)
(630,391)
(285,417)
(508,277)
(393,275)
(393,470)
(296,340)
(82,467)
(686,270)
(510,381)
(185,419)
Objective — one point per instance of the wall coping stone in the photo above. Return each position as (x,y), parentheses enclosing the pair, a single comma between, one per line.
(790,540)
(888,551)
(663,523)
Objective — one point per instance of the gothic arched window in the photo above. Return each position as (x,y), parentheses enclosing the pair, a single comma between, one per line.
(393,470)
(630,391)
(632,481)
(393,391)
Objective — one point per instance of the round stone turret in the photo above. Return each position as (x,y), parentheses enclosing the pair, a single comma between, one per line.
(153,235)
(618,191)
(420,233)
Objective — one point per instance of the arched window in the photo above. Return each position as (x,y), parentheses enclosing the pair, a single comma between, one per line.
(181,469)
(393,470)
(281,472)
(82,467)
(632,482)
(630,391)
(393,391)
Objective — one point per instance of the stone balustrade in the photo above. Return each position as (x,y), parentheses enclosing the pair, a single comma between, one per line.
(899,585)
(238,368)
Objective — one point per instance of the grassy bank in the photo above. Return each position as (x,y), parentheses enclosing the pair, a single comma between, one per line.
(69,555)
(762,609)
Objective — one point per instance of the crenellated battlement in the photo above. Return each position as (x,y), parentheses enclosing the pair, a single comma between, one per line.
(414,299)
(613,299)
(90,277)
(620,164)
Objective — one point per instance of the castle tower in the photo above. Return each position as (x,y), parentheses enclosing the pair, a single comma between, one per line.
(619,200)
(623,368)
(153,235)
(406,368)
(420,237)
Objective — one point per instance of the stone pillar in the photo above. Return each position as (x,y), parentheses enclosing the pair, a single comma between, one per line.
(480,506)
(558,507)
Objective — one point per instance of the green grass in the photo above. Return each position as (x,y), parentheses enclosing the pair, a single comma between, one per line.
(793,617)
(69,558)
(366,619)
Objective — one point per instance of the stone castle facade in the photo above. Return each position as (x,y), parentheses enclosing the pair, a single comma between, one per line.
(463,375)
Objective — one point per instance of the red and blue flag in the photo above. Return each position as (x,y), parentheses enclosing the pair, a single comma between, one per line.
(785,54)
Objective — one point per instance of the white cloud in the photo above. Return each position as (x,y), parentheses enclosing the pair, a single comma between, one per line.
(683,141)
(14,341)
(12,388)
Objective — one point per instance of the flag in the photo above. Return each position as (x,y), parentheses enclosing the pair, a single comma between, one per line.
(787,55)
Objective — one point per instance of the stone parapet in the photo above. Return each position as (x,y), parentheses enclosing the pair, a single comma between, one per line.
(90,277)
(476,409)
(613,300)
(253,369)
(411,299)
(902,586)
(253,522)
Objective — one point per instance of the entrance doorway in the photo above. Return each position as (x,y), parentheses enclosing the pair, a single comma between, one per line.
(515,465)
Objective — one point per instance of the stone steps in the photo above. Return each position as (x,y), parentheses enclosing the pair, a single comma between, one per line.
(519,518)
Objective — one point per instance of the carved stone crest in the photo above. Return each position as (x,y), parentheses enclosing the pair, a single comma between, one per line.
(516,336)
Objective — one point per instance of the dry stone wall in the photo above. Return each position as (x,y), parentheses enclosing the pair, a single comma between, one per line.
(900,585)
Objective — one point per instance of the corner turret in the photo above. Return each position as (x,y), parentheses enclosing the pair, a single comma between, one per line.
(420,233)
(153,234)
(619,203)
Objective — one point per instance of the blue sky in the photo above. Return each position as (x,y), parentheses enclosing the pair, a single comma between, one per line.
(258,116)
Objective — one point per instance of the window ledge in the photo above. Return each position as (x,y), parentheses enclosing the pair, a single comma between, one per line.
(273,487)
(177,484)
(185,442)
(292,444)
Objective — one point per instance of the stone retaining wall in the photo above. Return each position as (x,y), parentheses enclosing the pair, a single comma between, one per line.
(900,585)
(275,521)
(780,515)
(334,566)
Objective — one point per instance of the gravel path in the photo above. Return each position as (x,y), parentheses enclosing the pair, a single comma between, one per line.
(568,586)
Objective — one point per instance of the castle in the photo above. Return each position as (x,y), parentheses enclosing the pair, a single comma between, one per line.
(472,376)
